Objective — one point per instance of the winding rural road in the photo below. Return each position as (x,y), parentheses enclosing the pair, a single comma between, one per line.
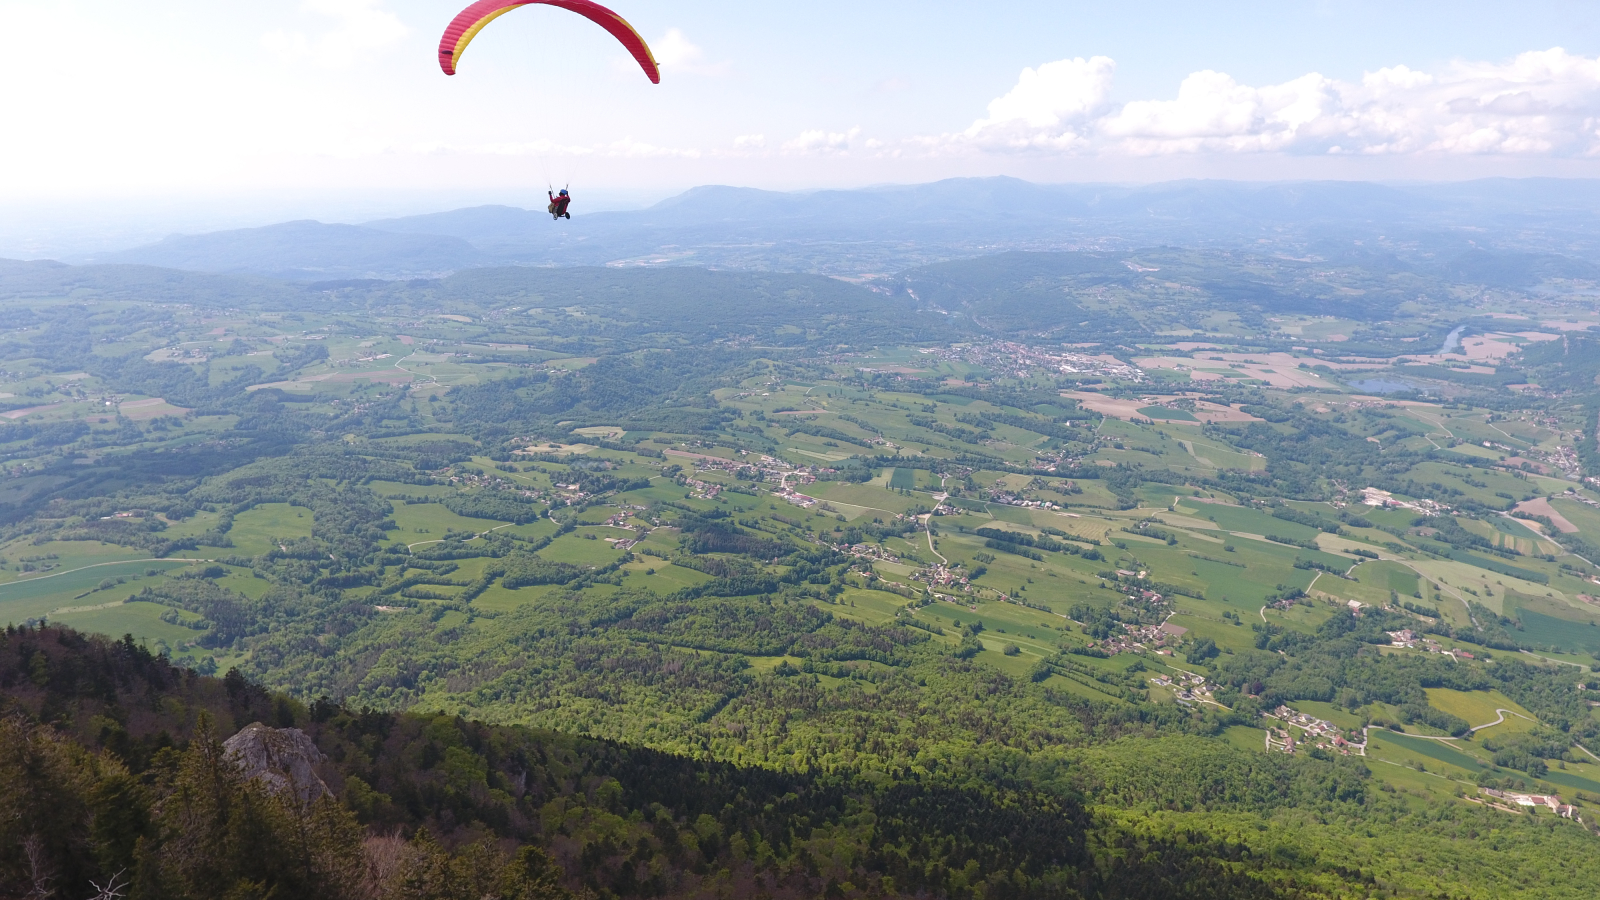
(1500,716)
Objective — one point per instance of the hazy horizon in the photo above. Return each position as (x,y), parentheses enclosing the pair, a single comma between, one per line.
(43,230)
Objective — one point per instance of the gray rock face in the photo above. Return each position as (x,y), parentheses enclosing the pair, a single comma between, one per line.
(284,758)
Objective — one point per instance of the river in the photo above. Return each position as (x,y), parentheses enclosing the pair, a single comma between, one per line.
(1452,341)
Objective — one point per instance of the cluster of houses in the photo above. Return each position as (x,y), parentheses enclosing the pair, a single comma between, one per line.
(1564,459)
(560,493)
(770,469)
(624,512)
(940,575)
(1054,463)
(704,490)
(1022,360)
(868,551)
(1570,494)
(1137,638)
(1551,802)
(1140,595)
(1410,640)
(1316,728)
(790,495)
(1011,498)
(1313,731)
(1188,687)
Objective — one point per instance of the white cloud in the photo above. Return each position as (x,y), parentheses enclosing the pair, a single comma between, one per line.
(1214,112)
(819,143)
(1538,103)
(360,26)
(750,142)
(1062,91)
(1048,105)
(674,52)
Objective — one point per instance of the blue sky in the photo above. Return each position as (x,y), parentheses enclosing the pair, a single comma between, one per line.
(310,104)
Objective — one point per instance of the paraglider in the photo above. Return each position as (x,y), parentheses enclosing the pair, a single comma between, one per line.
(466,25)
(558,204)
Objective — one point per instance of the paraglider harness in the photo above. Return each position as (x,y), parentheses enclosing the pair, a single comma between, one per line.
(558,205)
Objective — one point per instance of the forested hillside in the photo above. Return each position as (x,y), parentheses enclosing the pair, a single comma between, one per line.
(112,772)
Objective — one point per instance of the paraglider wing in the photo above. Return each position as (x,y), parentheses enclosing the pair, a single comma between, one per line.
(466,25)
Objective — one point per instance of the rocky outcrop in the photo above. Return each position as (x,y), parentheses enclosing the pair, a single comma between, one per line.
(285,759)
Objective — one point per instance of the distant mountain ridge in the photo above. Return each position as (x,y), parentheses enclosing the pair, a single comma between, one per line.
(889,229)
(309,251)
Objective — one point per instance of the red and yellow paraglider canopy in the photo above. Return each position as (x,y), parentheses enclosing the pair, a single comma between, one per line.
(466,25)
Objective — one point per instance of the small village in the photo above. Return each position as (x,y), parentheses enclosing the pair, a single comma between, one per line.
(1563,459)
(1314,732)
(702,490)
(940,575)
(1140,638)
(770,469)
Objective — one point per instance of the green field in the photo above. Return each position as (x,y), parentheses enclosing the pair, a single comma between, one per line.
(903,479)
(1541,630)
(1248,521)
(1346,590)
(140,619)
(1388,576)
(258,529)
(36,597)
(1381,743)
(584,547)
(423,522)
(56,557)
